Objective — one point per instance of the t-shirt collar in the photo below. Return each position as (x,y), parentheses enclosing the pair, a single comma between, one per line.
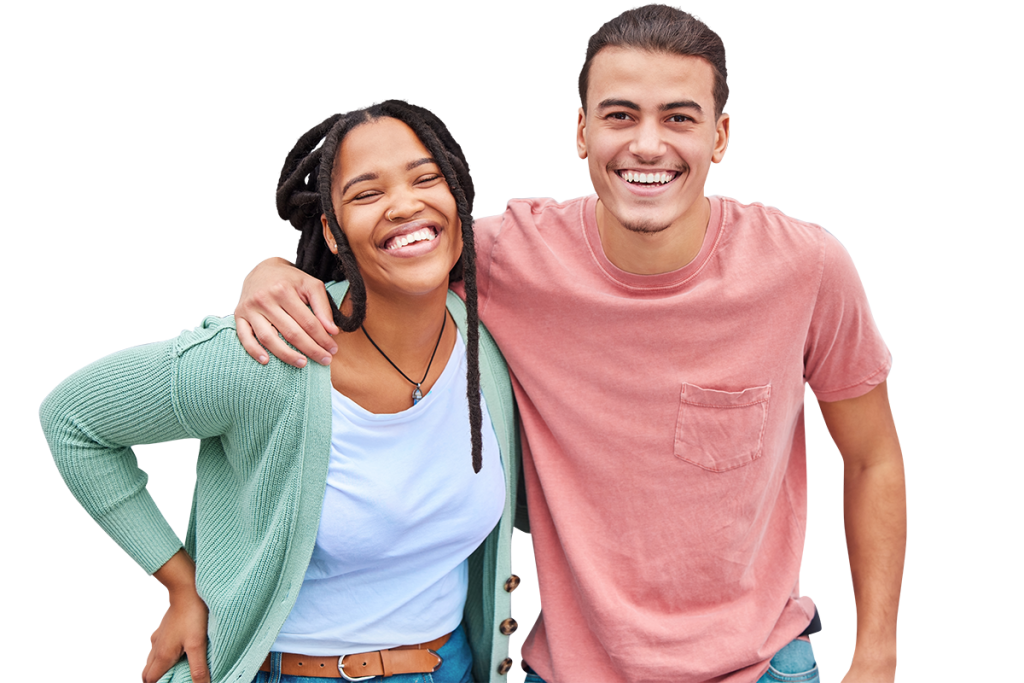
(651,282)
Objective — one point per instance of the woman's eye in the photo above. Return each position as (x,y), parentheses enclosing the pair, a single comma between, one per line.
(429,178)
(365,195)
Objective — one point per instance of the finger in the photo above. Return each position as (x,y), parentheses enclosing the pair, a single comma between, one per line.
(304,329)
(249,342)
(268,337)
(319,301)
(157,665)
(196,654)
(292,320)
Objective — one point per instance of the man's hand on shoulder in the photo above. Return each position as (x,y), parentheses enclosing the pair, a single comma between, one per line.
(275,302)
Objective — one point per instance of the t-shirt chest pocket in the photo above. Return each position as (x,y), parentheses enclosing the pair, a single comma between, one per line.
(721,430)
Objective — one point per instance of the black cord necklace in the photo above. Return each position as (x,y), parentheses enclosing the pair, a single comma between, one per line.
(417,395)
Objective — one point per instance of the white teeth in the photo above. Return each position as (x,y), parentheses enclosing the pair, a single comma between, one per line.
(418,236)
(647,178)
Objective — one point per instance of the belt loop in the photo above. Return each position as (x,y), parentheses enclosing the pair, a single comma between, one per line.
(275,667)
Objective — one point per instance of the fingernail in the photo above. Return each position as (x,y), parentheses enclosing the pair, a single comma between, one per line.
(300,363)
(326,360)
(264,360)
(333,350)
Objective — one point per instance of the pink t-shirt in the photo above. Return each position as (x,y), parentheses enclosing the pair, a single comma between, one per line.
(664,439)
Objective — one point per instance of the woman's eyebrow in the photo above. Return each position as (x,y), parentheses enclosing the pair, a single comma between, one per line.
(419,162)
(373,176)
(359,179)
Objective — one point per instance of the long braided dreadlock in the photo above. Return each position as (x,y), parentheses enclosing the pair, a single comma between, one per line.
(304,194)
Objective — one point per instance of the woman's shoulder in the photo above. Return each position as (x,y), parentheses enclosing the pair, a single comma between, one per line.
(212,352)
(216,329)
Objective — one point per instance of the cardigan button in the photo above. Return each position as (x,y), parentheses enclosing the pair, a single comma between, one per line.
(504,666)
(511,583)
(508,627)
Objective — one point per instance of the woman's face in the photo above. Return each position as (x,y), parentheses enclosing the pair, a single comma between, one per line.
(383,171)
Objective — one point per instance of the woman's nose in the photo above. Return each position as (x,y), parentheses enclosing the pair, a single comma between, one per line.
(403,206)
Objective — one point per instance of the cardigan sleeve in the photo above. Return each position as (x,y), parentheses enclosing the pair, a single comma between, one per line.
(92,419)
(176,389)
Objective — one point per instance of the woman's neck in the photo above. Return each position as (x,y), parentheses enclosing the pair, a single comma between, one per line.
(404,326)
(406,331)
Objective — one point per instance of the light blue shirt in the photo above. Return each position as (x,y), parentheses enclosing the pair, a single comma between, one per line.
(402,511)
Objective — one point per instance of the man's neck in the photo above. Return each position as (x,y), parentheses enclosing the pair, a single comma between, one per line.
(643,253)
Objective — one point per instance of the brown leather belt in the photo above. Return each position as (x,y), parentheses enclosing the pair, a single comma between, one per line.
(404,659)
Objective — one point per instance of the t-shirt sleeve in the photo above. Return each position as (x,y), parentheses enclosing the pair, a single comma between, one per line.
(844,356)
(485,235)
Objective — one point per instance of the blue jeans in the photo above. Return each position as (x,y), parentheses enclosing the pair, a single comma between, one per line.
(793,663)
(457,667)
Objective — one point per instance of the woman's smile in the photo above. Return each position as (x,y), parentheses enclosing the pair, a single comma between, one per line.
(414,238)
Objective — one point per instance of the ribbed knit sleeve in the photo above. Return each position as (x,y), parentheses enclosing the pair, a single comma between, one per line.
(92,419)
(199,385)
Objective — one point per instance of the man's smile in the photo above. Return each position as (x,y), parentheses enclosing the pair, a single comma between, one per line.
(647,177)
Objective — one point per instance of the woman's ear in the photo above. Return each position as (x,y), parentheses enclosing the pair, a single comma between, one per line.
(328,236)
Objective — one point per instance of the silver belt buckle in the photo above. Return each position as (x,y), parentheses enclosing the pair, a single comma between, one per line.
(341,667)
(341,670)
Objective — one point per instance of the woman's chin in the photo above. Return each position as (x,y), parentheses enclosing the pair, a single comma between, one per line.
(409,284)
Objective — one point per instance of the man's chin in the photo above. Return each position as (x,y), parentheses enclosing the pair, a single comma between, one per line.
(645,227)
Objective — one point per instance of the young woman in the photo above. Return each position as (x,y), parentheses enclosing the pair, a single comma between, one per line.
(348,522)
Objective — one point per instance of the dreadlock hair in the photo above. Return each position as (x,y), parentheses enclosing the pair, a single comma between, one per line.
(659,28)
(304,194)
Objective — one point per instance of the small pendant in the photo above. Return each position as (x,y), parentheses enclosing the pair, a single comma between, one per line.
(417,395)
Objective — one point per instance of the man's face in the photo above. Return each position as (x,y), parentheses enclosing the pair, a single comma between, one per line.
(650,135)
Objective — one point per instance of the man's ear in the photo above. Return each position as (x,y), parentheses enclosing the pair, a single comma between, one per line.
(581,134)
(721,138)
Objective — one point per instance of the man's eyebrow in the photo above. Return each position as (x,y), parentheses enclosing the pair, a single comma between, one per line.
(604,104)
(627,104)
(682,104)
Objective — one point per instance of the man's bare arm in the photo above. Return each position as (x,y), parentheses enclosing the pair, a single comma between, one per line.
(276,298)
(875,506)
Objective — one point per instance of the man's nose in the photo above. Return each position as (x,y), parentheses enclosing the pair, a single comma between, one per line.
(647,142)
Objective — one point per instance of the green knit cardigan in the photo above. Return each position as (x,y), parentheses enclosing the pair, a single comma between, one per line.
(265,434)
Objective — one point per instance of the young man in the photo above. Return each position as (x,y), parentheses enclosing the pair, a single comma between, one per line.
(659,342)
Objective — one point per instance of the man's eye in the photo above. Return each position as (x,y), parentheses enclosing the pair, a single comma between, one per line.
(680,118)
(619,116)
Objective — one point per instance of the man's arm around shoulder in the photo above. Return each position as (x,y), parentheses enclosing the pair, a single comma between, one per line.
(875,507)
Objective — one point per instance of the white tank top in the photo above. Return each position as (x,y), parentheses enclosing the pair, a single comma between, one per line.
(402,511)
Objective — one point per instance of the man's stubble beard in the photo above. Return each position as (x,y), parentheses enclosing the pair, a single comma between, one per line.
(644,227)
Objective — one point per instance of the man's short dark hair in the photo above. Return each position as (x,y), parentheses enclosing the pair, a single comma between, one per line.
(659,28)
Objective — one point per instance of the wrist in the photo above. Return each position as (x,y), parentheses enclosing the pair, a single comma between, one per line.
(874,664)
(178,575)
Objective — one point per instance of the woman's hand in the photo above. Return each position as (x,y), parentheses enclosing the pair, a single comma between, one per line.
(276,297)
(182,631)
